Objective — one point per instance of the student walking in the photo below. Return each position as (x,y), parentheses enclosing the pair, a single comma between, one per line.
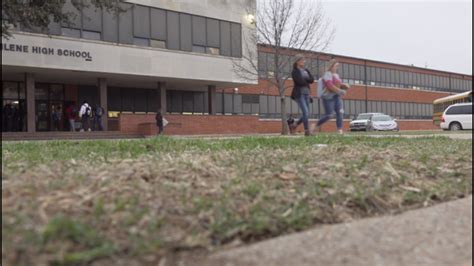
(302,79)
(85,114)
(160,122)
(332,94)
(71,117)
(98,113)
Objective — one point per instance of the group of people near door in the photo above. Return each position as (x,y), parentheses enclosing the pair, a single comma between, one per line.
(12,118)
(332,90)
(90,117)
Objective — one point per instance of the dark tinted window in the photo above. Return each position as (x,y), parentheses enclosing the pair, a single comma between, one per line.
(141,22)
(185,26)
(173,30)
(125,25)
(213,33)
(199,31)
(236,40)
(152,100)
(158,24)
(73,14)
(460,110)
(110,32)
(114,99)
(467,109)
(128,100)
(141,100)
(225,39)
(92,18)
(250,98)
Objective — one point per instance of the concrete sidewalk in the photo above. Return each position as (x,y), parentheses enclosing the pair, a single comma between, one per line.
(435,236)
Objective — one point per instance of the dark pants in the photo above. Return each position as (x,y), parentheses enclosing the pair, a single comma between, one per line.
(98,123)
(56,125)
(160,128)
(303,103)
(85,123)
(333,105)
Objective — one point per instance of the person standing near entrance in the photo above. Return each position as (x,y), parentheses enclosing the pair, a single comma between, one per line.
(334,89)
(85,114)
(71,117)
(7,118)
(56,116)
(302,79)
(98,113)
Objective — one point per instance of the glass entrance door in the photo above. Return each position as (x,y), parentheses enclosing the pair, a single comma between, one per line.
(56,116)
(43,122)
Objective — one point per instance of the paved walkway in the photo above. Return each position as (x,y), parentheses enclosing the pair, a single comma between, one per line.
(462,136)
(435,236)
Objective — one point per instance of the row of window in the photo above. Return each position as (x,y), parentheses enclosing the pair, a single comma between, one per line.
(192,102)
(151,27)
(132,100)
(270,107)
(355,74)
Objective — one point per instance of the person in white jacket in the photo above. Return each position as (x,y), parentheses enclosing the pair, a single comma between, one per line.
(85,114)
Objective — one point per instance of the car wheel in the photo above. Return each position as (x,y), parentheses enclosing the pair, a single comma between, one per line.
(455,126)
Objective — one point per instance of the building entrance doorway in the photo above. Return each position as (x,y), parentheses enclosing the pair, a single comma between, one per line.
(50,116)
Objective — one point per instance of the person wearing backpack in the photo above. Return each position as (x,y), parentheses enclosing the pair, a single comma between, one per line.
(85,114)
(161,122)
(98,113)
(331,90)
(302,79)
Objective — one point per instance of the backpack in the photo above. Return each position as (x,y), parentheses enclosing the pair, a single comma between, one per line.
(320,90)
(88,112)
(99,111)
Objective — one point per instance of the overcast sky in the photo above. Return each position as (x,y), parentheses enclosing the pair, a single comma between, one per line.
(433,33)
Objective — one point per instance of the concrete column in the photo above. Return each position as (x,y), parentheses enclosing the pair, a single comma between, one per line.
(212,99)
(162,93)
(103,102)
(30,102)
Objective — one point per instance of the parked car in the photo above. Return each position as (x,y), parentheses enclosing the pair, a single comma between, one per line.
(457,117)
(361,122)
(382,123)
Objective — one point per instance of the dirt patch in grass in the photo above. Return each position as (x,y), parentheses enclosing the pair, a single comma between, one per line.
(140,205)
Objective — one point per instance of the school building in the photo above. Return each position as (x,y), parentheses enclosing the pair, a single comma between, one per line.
(179,57)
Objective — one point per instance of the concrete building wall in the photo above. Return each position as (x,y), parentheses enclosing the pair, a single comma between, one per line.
(97,57)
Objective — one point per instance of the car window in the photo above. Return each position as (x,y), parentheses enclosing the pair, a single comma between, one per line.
(460,110)
(381,118)
(467,110)
(363,117)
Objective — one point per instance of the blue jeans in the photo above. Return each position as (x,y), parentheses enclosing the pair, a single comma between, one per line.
(303,103)
(332,105)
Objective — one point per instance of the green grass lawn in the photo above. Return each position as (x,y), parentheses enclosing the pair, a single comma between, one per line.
(137,201)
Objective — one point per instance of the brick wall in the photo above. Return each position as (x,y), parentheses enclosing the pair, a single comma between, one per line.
(208,125)
(357,92)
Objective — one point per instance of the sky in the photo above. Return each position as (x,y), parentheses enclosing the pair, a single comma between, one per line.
(436,34)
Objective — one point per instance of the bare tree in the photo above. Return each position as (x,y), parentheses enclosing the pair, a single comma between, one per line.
(283,26)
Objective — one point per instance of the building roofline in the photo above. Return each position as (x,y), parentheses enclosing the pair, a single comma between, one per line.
(370,60)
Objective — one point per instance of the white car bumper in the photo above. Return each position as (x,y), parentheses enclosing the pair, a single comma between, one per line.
(444,125)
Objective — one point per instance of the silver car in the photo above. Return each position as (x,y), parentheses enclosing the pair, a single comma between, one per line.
(361,122)
(382,123)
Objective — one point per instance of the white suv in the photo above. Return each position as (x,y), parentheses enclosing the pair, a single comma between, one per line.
(457,117)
